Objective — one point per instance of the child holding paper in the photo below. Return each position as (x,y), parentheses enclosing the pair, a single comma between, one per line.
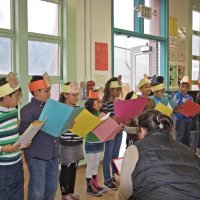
(111,93)
(42,156)
(11,169)
(93,148)
(71,149)
(198,121)
(144,86)
(182,123)
(158,88)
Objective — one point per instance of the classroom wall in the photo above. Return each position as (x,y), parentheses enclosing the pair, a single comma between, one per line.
(93,24)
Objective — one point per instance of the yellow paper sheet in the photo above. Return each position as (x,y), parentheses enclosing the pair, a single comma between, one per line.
(164,109)
(85,122)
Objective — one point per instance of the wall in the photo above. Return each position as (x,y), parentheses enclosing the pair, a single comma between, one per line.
(93,24)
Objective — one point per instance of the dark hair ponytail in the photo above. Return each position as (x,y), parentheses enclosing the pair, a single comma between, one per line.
(153,120)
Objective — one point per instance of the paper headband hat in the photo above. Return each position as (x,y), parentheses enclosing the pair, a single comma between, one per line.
(93,94)
(40,84)
(115,84)
(158,87)
(143,81)
(71,88)
(134,96)
(11,86)
(185,79)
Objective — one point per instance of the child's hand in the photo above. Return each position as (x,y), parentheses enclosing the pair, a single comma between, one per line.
(10,148)
(177,108)
(117,179)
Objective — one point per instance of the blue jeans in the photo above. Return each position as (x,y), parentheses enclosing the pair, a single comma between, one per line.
(112,148)
(12,182)
(182,129)
(43,179)
(198,132)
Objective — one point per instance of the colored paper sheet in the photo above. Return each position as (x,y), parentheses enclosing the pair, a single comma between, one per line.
(59,117)
(163,109)
(107,130)
(118,163)
(127,109)
(85,123)
(101,56)
(189,109)
(26,138)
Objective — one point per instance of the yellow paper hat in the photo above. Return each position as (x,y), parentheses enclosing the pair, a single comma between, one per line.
(71,88)
(143,81)
(115,84)
(134,96)
(11,86)
(158,87)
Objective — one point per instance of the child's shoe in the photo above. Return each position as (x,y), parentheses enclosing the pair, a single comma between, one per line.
(110,184)
(74,197)
(91,189)
(98,187)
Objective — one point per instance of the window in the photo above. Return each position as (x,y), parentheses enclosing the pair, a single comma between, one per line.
(195,47)
(124,14)
(5,14)
(6,37)
(44,40)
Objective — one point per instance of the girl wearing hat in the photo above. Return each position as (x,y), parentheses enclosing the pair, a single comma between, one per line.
(93,148)
(71,150)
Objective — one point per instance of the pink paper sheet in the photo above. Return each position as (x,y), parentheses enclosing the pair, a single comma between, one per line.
(127,109)
(108,129)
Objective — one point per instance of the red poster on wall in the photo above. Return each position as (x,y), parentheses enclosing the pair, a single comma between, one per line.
(101,56)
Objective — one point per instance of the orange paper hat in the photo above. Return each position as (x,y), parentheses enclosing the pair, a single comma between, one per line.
(40,84)
(11,86)
(93,94)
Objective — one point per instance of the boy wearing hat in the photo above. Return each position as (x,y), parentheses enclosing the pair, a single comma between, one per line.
(158,89)
(182,123)
(144,86)
(42,156)
(11,169)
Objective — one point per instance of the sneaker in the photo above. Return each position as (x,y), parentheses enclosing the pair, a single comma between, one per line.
(66,197)
(109,184)
(74,196)
(92,190)
(98,187)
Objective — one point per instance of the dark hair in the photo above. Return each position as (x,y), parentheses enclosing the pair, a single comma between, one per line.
(62,97)
(36,78)
(89,105)
(107,88)
(153,120)
(129,95)
(3,81)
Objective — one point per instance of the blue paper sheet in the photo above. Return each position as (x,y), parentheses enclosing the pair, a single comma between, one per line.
(59,117)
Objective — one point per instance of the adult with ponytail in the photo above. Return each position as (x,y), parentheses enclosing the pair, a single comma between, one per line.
(156,166)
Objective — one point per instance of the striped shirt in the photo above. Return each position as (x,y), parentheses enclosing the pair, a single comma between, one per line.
(108,107)
(9,135)
(70,139)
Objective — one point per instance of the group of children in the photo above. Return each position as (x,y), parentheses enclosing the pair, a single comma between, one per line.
(45,152)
